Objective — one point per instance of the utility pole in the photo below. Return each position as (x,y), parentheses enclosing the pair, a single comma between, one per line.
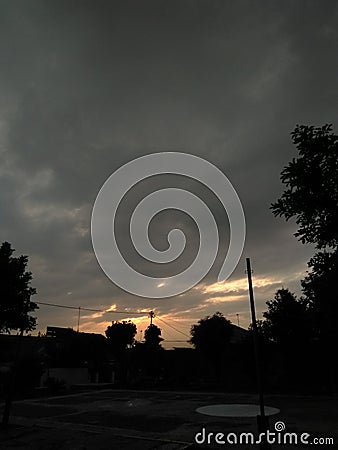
(237,319)
(262,421)
(78,319)
(151,315)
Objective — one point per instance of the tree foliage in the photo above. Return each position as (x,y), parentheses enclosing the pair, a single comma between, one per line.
(319,287)
(211,334)
(311,194)
(286,320)
(121,335)
(152,336)
(312,197)
(16,292)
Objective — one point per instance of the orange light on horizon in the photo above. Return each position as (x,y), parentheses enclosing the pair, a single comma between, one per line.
(236,285)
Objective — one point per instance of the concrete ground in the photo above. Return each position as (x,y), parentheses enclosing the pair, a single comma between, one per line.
(135,420)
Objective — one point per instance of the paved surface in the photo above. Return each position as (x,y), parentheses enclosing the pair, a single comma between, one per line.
(135,420)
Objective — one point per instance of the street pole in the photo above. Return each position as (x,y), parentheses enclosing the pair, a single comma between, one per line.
(78,319)
(261,419)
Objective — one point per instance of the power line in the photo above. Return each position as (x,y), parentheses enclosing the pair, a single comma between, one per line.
(80,308)
(68,307)
(174,321)
(167,332)
(177,324)
(93,310)
(178,331)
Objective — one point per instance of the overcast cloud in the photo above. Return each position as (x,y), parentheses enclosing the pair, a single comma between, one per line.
(86,86)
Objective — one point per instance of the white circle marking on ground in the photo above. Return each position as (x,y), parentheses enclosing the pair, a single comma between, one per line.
(236,410)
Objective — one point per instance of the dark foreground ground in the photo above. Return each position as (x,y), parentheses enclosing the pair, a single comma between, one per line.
(135,420)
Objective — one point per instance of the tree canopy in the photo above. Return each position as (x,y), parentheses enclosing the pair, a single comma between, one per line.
(121,335)
(211,334)
(311,194)
(152,336)
(16,292)
(286,320)
(312,197)
(319,288)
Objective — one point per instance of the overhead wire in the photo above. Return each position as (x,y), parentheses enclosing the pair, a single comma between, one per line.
(175,322)
(142,313)
(167,332)
(174,328)
(94,310)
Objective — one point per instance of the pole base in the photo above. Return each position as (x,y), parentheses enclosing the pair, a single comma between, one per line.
(263,427)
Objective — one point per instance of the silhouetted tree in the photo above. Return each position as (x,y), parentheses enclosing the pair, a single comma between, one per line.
(312,198)
(121,335)
(148,356)
(311,194)
(319,288)
(211,339)
(288,326)
(211,334)
(287,319)
(16,292)
(267,349)
(15,306)
(262,329)
(152,336)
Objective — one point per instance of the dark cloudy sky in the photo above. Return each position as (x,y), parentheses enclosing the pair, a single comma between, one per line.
(86,86)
